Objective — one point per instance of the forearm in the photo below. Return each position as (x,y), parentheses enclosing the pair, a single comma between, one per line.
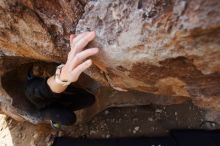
(54,86)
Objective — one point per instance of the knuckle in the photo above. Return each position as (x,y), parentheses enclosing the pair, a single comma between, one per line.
(77,57)
(69,69)
(73,73)
(75,46)
(80,71)
(72,44)
(70,55)
(89,51)
(64,69)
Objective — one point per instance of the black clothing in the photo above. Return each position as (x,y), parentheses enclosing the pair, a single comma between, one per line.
(40,94)
(57,107)
(175,138)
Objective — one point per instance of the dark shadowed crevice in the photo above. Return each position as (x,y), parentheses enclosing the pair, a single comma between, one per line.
(14,82)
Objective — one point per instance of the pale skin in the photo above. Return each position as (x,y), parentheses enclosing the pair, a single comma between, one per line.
(77,60)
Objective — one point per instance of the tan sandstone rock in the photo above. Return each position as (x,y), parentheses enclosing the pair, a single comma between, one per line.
(160,52)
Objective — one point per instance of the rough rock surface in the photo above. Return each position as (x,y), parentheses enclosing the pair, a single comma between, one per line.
(22,33)
(160,52)
(163,47)
(112,123)
(38,29)
(31,31)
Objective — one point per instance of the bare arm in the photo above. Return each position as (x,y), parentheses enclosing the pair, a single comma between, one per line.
(77,60)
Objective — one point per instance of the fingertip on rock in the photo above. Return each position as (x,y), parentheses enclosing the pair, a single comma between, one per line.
(93,33)
(96,50)
(89,61)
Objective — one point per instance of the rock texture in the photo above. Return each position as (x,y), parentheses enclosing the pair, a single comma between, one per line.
(163,47)
(22,33)
(38,29)
(31,31)
(160,52)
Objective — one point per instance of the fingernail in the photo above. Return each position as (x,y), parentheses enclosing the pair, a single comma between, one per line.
(89,62)
(96,50)
(92,33)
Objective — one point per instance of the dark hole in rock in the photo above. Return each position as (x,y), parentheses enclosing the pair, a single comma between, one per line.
(14,84)
(14,81)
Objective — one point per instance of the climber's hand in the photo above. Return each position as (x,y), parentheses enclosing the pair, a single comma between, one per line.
(77,60)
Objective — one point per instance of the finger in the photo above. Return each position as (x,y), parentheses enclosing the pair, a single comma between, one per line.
(80,57)
(72,36)
(80,44)
(82,67)
(80,36)
(77,38)
(73,50)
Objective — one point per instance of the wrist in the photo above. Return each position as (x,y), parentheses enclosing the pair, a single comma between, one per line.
(54,86)
(60,79)
(63,73)
(58,82)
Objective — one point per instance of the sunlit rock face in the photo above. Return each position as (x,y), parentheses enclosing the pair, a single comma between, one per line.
(151,52)
(163,47)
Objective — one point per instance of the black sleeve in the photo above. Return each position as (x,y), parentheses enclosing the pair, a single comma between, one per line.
(39,93)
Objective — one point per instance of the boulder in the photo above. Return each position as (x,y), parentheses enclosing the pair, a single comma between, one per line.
(151,52)
(169,48)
